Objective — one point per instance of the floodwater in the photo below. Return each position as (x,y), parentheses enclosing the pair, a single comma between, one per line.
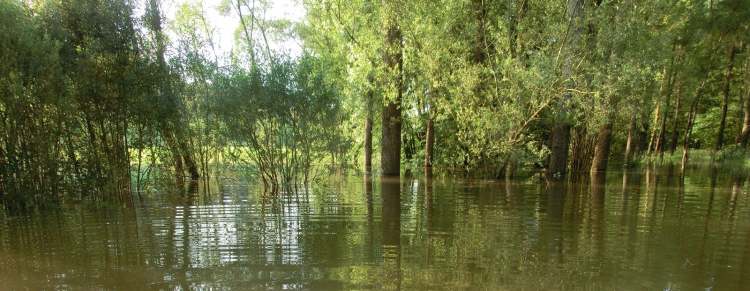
(641,230)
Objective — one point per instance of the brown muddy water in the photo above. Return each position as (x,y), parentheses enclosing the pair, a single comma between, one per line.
(641,230)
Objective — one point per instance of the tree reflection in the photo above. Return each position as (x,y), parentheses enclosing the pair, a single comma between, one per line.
(391,198)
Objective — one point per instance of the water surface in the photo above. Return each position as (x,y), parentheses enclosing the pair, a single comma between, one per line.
(641,230)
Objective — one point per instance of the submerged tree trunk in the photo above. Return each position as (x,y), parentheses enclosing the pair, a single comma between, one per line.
(390,153)
(725,102)
(601,149)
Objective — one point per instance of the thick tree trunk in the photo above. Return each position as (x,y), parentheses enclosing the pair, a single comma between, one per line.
(559,147)
(725,102)
(560,134)
(368,144)
(390,154)
(601,149)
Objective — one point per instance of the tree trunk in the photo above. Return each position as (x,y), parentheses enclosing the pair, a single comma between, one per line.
(744,136)
(429,144)
(725,102)
(654,132)
(174,149)
(689,128)
(686,141)
(187,158)
(656,145)
(368,144)
(558,161)
(660,139)
(560,134)
(581,152)
(390,154)
(3,166)
(629,142)
(676,121)
(601,149)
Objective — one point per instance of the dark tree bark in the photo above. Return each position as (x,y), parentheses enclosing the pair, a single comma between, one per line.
(581,152)
(390,154)
(601,149)
(559,147)
(725,103)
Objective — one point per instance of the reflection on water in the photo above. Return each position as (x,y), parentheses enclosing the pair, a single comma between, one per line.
(638,230)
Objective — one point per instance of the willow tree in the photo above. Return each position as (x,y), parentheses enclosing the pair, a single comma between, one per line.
(170,106)
(390,149)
